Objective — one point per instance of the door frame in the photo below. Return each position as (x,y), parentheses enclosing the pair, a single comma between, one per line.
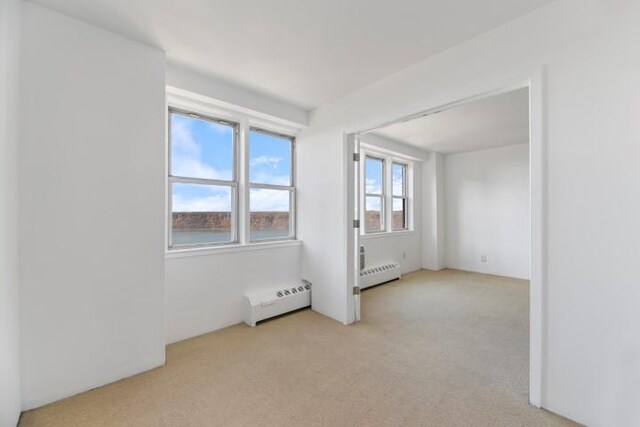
(538,224)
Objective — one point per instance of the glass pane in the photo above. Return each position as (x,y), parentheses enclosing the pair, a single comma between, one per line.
(201,148)
(270,213)
(373,213)
(399,214)
(269,159)
(200,214)
(398,177)
(373,175)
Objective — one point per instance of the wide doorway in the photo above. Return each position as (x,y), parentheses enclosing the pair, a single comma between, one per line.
(458,185)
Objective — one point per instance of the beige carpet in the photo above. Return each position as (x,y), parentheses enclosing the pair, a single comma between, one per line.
(434,349)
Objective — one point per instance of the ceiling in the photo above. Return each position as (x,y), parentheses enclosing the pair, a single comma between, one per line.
(302,52)
(492,122)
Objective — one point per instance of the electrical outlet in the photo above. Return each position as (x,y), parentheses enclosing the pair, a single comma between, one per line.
(483,258)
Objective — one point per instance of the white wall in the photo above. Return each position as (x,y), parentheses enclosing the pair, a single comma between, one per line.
(433,213)
(323,220)
(9,322)
(487,208)
(591,93)
(403,247)
(206,292)
(91,207)
(238,97)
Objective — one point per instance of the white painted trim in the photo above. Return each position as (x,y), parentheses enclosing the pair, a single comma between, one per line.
(225,249)
(385,234)
(243,121)
(537,289)
(389,157)
(351,146)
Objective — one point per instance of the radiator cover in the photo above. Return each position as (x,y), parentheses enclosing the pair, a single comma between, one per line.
(379,274)
(266,304)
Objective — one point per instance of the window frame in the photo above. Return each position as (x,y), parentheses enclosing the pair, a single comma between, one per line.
(390,158)
(405,194)
(381,196)
(233,184)
(291,188)
(244,123)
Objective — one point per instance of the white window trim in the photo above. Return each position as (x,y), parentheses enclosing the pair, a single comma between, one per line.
(215,250)
(232,183)
(246,120)
(290,188)
(383,192)
(404,196)
(387,179)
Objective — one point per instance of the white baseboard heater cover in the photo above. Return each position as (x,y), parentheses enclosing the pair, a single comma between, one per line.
(379,274)
(266,304)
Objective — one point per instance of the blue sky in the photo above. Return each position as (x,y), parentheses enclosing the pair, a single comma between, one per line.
(204,149)
(269,159)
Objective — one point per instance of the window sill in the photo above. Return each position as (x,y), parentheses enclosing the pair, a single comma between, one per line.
(216,250)
(385,234)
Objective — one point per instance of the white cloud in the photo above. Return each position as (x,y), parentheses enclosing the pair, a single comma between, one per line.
(186,153)
(397,179)
(217,201)
(397,204)
(219,129)
(267,178)
(182,137)
(373,204)
(397,186)
(264,200)
(265,160)
(372,187)
(191,167)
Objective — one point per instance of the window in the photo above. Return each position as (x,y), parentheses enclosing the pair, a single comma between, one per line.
(399,196)
(271,190)
(202,180)
(207,185)
(374,195)
(386,193)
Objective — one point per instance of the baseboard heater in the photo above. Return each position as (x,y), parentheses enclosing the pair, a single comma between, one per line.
(266,304)
(379,274)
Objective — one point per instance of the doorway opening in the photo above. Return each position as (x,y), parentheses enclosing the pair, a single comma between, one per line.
(446,133)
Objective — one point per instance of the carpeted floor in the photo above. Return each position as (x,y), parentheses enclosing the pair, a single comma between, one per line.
(434,349)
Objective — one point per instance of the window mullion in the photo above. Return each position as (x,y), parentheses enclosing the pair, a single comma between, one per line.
(184,180)
(271,186)
(388,194)
(244,187)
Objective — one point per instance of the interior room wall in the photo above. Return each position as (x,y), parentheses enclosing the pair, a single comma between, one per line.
(237,97)
(10,11)
(91,207)
(206,292)
(487,209)
(322,223)
(586,55)
(403,247)
(433,213)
